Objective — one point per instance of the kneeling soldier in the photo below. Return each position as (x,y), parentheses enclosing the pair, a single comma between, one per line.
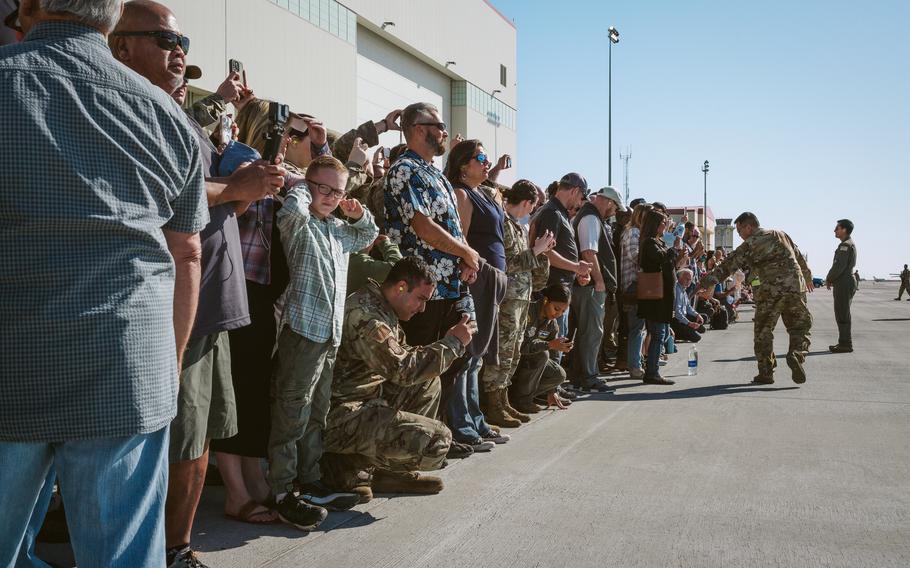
(385,393)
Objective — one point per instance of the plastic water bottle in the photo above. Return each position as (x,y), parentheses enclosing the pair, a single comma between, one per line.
(693,361)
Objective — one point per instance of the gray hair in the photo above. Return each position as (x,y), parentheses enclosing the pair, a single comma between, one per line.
(97,13)
(682,271)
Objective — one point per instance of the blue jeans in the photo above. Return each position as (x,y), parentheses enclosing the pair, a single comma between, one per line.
(113,492)
(463,405)
(658,332)
(636,338)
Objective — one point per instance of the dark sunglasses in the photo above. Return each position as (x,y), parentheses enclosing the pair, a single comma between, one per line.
(482,158)
(439,125)
(166,40)
(12,19)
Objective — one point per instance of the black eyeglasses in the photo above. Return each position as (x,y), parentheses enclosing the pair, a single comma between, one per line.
(439,125)
(324,189)
(166,40)
(12,19)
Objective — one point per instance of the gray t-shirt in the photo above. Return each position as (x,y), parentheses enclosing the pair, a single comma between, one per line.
(222,292)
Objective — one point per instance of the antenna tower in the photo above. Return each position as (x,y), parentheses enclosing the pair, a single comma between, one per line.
(625,173)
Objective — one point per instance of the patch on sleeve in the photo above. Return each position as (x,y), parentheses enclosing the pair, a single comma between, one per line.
(380,332)
(844,248)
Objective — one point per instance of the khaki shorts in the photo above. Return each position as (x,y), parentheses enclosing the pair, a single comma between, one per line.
(205,400)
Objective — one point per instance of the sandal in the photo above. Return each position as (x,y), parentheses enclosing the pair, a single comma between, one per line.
(248,514)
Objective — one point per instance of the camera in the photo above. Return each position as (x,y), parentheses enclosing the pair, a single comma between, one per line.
(278,116)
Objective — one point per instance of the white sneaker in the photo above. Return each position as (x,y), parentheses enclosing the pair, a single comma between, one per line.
(637,374)
(481,445)
(497,437)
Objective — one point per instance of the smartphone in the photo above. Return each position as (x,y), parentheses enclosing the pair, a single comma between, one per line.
(508,162)
(235,66)
(384,152)
(574,333)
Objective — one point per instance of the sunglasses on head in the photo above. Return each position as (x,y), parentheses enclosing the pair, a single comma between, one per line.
(166,40)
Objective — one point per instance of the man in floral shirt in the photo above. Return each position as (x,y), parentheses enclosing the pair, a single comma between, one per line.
(422,219)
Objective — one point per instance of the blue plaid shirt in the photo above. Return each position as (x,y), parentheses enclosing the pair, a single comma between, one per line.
(317,251)
(95,162)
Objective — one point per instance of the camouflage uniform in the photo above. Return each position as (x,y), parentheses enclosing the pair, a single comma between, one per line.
(383,393)
(784,273)
(521,266)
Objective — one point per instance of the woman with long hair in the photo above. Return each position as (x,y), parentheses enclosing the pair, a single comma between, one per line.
(655,257)
(629,247)
(481,216)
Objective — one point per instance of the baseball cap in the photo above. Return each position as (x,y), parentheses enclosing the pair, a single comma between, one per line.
(573,179)
(610,194)
(192,72)
(636,202)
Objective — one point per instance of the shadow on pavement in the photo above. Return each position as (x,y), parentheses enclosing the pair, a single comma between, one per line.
(781,356)
(694,392)
(892,319)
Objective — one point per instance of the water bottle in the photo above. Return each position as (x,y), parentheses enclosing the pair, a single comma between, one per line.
(693,361)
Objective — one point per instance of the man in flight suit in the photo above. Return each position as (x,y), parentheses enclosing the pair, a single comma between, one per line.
(841,278)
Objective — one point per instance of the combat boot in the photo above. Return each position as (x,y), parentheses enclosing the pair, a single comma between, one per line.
(385,481)
(493,411)
(840,348)
(760,380)
(527,406)
(504,396)
(796,366)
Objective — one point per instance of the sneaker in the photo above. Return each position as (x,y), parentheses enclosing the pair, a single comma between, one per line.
(497,437)
(299,513)
(183,558)
(459,451)
(321,496)
(480,445)
(566,393)
(636,374)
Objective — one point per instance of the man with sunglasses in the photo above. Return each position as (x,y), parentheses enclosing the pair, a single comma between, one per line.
(147,39)
(102,205)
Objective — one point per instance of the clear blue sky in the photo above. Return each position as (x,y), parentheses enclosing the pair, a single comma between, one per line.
(801,107)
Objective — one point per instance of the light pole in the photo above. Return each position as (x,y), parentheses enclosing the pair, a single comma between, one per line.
(704,220)
(614,38)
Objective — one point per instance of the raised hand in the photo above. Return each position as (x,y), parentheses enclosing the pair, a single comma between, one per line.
(352,208)
(544,242)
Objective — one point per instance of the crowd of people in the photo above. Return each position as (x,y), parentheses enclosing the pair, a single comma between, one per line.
(331,322)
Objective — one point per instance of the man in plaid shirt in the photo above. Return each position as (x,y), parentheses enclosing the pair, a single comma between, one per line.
(317,245)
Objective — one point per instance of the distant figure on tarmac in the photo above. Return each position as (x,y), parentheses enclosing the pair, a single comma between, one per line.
(856,275)
(841,278)
(905,284)
(785,279)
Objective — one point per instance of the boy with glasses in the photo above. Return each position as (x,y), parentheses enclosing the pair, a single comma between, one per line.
(317,246)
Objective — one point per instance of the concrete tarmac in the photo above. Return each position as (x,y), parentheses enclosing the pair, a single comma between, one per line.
(711,471)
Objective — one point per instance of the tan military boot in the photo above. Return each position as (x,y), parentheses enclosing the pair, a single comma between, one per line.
(493,411)
(504,396)
(385,481)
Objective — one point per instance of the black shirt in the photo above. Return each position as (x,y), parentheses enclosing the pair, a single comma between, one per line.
(554,217)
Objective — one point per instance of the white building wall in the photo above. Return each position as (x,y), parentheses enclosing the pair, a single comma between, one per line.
(389,78)
(336,62)
(287,58)
(469,32)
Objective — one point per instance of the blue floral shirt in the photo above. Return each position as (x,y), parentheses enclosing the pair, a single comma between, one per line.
(414,185)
